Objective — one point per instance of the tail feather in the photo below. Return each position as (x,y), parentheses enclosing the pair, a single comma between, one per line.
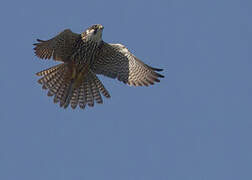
(68,93)
(49,80)
(75,98)
(89,96)
(54,85)
(94,89)
(49,70)
(101,88)
(61,84)
(59,96)
(82,96)
(96,93)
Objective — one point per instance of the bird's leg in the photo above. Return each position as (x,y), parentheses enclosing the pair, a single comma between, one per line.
(74,72)
(79,77)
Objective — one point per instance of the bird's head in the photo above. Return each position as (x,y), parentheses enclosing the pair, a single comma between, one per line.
(93,33)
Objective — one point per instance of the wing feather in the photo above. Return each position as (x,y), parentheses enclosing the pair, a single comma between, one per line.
(60,48)
(116,61)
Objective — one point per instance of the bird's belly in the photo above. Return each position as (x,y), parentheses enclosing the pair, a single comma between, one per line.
(78,72)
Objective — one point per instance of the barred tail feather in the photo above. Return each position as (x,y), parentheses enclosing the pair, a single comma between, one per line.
(96,93)
(75,98)
(82,95)
(55,84)
(68,93)
(61,84)
(48,75)
(56,88)
(89,97)
(101,88)
(49,70)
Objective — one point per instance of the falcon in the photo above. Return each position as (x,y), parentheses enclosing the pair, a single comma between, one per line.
(74,81)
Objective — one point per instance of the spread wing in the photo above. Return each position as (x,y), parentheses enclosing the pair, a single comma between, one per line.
(116,61)
(60,48)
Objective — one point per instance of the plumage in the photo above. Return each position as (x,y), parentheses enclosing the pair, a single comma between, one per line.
(74,82)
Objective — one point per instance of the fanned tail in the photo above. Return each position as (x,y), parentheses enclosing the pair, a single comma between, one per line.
(89,92)
(67,88)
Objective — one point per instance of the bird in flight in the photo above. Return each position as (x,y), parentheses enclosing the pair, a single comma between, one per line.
(83,56)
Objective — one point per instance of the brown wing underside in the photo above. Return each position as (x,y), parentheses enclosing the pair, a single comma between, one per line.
(116,61)
(60,48)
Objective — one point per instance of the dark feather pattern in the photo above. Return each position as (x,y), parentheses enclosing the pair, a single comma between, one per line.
(74,82)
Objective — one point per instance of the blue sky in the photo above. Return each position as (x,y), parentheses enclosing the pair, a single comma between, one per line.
(195,125)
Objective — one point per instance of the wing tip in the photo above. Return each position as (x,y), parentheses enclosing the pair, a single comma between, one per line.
(158,70)
(160,75)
